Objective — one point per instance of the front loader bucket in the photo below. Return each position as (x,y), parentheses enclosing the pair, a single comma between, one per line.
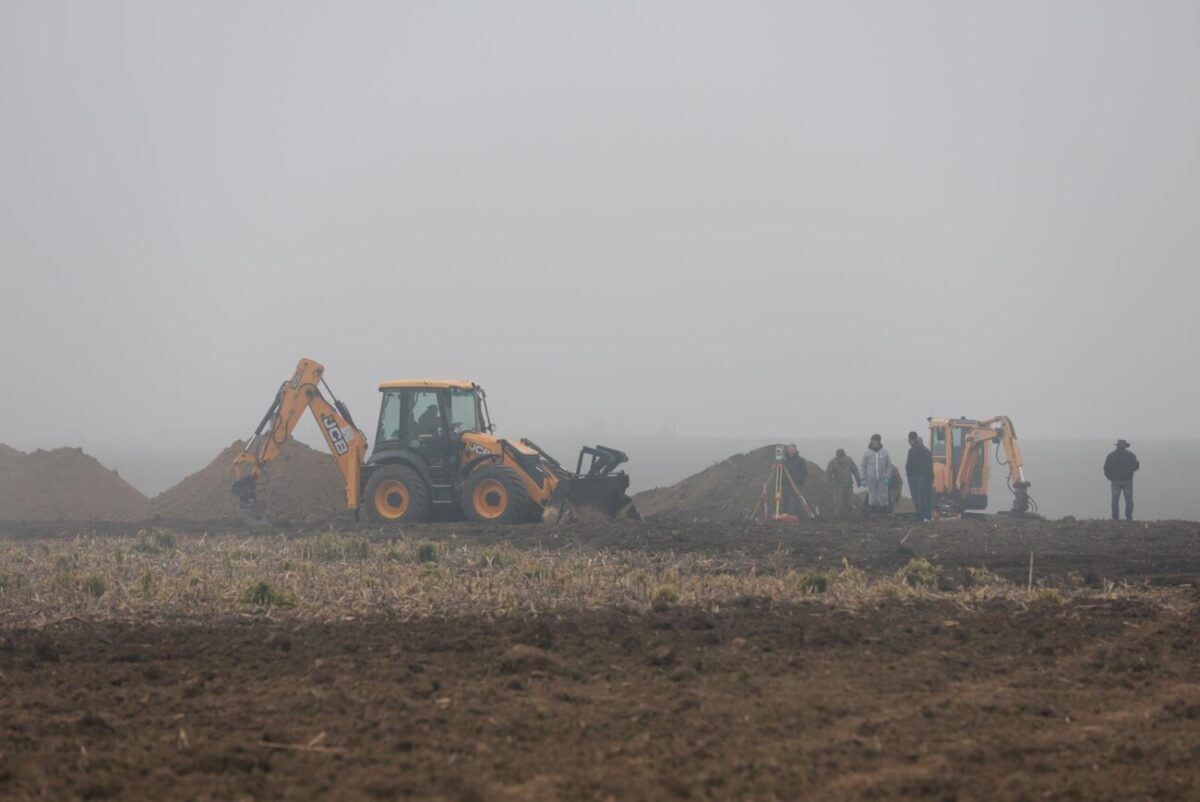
(603,495)
(598,491)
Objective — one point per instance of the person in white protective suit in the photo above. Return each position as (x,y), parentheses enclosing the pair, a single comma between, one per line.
(875,468)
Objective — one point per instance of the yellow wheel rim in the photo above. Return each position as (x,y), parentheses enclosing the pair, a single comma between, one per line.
(391,499)
(490,498)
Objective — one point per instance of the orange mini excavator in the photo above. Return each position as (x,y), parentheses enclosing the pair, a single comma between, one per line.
(435,447)
(961,466)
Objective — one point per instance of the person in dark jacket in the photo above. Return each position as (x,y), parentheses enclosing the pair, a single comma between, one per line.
(797,468)
(1119,468)
(919,467)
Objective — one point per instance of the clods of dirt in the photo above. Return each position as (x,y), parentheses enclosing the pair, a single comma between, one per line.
(795,702)
(522,658)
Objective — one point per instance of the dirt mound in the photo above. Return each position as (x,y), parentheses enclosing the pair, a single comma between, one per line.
(63,484)
(301,484)
(727,491)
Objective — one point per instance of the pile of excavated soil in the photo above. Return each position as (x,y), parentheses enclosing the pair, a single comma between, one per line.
(301,484)
(727,491)
(64,484)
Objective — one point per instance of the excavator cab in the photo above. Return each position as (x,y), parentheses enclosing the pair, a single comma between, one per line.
(949,441)
(429,420)
(422,423)
(411,415)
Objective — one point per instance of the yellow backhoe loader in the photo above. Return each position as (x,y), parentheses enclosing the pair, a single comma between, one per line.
(435,448)
(961,466)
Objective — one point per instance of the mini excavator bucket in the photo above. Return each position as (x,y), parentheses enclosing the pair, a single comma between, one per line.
(1023,504)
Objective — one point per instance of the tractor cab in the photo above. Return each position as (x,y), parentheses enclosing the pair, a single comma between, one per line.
(427,419)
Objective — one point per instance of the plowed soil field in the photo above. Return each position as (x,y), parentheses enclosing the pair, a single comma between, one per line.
(1086,688)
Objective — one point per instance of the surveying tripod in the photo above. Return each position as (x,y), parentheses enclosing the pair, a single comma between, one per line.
(774,484)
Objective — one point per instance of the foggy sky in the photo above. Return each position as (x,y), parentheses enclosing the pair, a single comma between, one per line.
(699,218)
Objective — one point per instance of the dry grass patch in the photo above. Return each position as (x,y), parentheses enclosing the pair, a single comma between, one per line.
(331,575)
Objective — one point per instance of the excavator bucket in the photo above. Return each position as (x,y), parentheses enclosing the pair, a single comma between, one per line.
(251,508)
(1023,504)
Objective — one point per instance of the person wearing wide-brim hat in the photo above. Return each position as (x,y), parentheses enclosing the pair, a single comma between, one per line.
(1119,468)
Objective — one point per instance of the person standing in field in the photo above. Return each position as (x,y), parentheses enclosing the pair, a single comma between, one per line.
(875,469)
(843,478)
(1119,468)
(919,468)
(797,468)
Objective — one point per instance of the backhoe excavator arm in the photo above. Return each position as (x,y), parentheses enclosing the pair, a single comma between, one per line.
(346,443)
(1001,429)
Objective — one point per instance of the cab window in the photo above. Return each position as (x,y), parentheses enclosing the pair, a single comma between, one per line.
(937,443)
(408,415)
(464,411)
(426,416)
(957,438)
(389,417)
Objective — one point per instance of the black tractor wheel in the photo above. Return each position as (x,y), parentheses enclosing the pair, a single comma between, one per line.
(495,494)
(396,494)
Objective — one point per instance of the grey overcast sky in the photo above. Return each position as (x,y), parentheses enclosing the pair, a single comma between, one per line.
(703,218)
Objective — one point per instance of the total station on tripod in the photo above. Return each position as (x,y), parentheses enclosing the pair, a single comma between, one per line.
(788,499)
